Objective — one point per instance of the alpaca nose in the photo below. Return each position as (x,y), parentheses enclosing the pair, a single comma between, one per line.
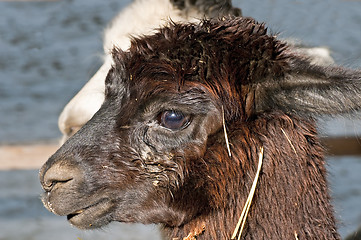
(57,175)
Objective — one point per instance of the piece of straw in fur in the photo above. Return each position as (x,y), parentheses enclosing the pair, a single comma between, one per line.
(242,220)
(225,133)
(296,236)
(289,140)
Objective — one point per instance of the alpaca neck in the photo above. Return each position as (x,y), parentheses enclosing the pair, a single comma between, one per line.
(291,200)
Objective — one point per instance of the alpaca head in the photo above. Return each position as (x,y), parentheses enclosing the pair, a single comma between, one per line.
(143,157)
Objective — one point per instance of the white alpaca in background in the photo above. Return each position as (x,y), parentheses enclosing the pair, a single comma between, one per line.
(142,17)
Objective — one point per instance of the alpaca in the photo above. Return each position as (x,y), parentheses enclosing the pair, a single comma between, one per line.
(178,139)
(143,17)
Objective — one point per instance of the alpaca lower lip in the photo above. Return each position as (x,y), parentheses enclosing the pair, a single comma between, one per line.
(89,217)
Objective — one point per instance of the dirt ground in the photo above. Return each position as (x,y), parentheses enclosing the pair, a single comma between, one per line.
(27,156)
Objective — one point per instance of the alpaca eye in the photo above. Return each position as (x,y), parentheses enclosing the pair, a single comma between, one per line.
(173,120)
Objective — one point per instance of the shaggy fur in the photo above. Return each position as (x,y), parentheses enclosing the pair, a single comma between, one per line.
(126,164)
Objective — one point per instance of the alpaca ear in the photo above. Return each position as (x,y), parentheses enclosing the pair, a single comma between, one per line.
(310,90)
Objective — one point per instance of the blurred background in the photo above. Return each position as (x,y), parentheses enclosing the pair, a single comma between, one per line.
(50,49)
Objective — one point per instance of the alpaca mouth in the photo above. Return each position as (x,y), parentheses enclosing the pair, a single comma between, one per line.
(92,216)
(70,216)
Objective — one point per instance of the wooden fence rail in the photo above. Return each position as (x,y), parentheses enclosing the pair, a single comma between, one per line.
(32,156)
(342,146)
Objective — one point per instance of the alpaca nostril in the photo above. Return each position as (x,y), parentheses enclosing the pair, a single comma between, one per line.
(57,175)
(50,184)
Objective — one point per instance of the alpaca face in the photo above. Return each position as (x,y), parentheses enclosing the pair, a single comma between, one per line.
(129,162)
(143,156)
